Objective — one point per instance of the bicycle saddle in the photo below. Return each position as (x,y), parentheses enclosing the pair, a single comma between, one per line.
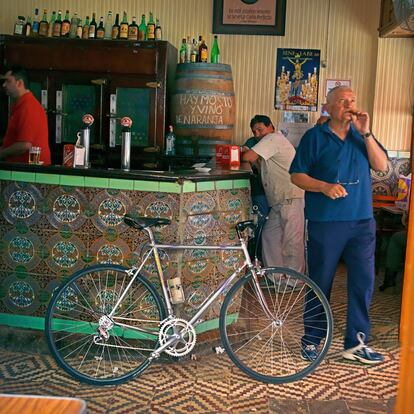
(141,223)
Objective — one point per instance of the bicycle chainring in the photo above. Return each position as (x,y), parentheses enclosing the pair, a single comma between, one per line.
(185,343)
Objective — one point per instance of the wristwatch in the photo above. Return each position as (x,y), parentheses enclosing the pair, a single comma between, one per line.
(366,135)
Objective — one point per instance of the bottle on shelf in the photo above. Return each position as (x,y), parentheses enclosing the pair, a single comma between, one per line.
(189,47)
(115,28)
(65,28)
(43,25)
(73,25)
(27,31)
(51,24)
(79,29)
(170,141)
(183,51)
(108,26)
(194,52)
(203,52)
(57,26)
(100,31)
(133,29)
(92,27)
(19,26)
(85,29)
(215,51)
(123,29)
(158,30)
(151,27)
(142,29)
(35,23)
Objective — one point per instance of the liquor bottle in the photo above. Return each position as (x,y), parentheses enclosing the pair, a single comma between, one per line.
(158,30)
(183,51)
(51,25)
(142,29)
(215,51)
(123,29)
(57,26)
(200,38)
(19,26)
(203,52)
(115,28)
(151,28)
(194,52)
(133,29)
(27,31)
(35,23)
(92,28)
(43,25)
(100,31)
(65,29)
(170,141)
(108,26)
(85,29)
(79,29)
(189,47)
(73,26)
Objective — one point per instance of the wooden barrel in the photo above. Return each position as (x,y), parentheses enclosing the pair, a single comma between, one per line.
(203,107)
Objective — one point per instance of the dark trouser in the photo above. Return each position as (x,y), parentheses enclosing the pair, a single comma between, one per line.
(328,242)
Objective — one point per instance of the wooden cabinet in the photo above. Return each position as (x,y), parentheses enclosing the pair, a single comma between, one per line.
(109,79)
(389,27)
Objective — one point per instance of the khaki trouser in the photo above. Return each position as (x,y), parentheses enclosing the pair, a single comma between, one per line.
(283,236)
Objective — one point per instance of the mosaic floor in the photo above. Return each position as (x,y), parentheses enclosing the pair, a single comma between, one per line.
(209,383)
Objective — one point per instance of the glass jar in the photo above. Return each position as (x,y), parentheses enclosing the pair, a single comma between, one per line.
(19,26)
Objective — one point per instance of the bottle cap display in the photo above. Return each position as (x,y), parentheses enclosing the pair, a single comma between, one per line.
(88,119)
(126,122)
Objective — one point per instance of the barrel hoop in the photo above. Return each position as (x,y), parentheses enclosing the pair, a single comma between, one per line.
(201,92)
(202,76)
(191,67)
(204,126)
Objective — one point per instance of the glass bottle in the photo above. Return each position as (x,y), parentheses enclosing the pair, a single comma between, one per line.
(108,26)
(100,31)
(35,23)
(92,27)
(151,28)
(73,26)
(51,25)
(158,30)
(142,29)
(203,52)
(123,29)
(170,141)
(115,28)
(57,26)
(43,25)
(79,29)
(189,47)
(65,29)
(133,29)
(27,31)
(183,51)
(85,29)
(194,52)
(215,51)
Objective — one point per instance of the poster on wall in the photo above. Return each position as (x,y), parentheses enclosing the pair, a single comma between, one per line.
(297,79)
(333,83)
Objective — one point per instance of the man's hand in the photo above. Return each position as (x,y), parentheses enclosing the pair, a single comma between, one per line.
(334,191)
(361,121)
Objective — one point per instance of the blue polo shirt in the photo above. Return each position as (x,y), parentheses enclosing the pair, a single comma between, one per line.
(324,156)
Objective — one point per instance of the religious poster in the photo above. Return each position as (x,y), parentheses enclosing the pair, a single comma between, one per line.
(297,79)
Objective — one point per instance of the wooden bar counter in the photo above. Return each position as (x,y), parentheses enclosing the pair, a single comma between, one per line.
(57,220)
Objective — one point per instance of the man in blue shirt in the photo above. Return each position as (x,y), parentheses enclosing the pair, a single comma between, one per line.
(332,164)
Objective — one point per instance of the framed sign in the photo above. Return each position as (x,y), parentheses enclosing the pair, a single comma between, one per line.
(333,83)
(249,17)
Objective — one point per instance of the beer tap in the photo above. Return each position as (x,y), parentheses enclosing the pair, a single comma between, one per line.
(85,136)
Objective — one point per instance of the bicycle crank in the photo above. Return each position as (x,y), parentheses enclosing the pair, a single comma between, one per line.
(186,336)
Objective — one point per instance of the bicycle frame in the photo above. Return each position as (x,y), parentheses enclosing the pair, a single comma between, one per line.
(195,320)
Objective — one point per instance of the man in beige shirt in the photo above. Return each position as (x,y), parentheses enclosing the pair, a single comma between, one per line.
(282,238)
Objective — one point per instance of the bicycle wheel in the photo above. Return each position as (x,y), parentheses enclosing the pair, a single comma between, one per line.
(271,346)
(92,347)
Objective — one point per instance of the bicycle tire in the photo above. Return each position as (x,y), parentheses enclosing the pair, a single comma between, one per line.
(71,325)
(272,349)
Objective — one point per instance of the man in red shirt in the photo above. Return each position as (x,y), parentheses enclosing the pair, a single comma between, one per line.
(27,125)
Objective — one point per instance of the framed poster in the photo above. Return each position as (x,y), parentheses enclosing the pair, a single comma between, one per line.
(333,83)
(249,17)
(297,79)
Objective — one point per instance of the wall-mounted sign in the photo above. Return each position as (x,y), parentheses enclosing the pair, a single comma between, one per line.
(297,79)
(333,83)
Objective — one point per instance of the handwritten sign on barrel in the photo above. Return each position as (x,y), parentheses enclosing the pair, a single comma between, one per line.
(203,104)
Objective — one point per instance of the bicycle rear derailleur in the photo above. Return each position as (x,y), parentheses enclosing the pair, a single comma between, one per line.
(186,336)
